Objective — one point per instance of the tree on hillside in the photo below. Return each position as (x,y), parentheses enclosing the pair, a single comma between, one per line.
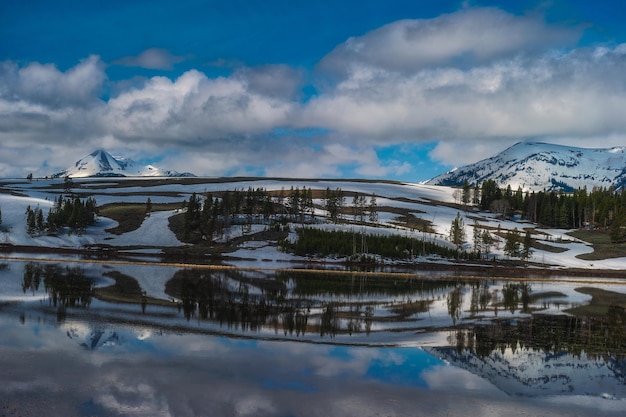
(457,232)
(512,243)
(373,209)
(487,242)
(476,195)
(527,246)
(477,238)
(466,197)
(293,202)
(334,203)
(148,206)
(617,232)
(358,207)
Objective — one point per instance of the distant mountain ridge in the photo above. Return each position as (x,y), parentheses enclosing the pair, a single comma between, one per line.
(102,164)
(538,166)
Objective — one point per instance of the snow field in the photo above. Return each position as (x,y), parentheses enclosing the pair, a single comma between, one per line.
(419,199)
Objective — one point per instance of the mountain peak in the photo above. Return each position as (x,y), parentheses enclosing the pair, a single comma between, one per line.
(537,166)
(100,163)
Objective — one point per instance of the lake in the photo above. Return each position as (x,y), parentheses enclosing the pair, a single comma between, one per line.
(109,339)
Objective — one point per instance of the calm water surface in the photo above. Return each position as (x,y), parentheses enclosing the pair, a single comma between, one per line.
(108,340)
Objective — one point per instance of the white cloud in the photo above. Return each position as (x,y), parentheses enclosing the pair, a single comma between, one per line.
(458,153)
(574,95)
(45,85)
(472,34)
(152,58)
(271,80)
(193,110)
(474,81)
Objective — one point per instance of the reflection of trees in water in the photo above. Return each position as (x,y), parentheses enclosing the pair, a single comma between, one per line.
(603,337)
(480,298)
(66,287)
(296,303)
(330,304)
(32,277)
(319,283)
(515,293)
(454,302)
(213,296)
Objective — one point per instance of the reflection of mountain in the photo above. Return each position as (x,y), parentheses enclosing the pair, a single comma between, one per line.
(530,372)
(92,338)
(545,355)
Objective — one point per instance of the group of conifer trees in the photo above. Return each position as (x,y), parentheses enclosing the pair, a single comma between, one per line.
(70,212)
(347,243)
(211,215)
(601,208)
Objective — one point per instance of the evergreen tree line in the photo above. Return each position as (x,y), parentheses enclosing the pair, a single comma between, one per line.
(73,213)
(210,215)
(602,208)
(312,241)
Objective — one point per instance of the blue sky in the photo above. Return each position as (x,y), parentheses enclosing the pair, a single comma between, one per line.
(375,89)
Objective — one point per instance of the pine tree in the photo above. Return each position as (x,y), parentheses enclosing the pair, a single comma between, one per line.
(527,246)
(373,210)
(465,198)
(512,244)
(457,232)
(477,239)
(487,242)
(148,206)
(40,223)
(30,221)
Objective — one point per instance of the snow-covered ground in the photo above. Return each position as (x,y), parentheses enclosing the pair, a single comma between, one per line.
(421,200)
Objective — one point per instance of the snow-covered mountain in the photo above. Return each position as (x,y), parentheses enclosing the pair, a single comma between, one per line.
(541,166)
(102,164)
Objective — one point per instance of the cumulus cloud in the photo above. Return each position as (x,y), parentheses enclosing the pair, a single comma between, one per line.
(193,110)
(153,58)
(474,81)
(575,95)
(45,85)
(271,80)
(473,34)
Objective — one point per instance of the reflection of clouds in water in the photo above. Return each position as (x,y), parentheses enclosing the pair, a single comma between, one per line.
(254,405)
(219,386)
(129,397)
(191,375)
(342,364)
(453,379)
(599,406)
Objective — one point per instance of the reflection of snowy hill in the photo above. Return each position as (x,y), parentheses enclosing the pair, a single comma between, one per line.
(92,338)
(530,372)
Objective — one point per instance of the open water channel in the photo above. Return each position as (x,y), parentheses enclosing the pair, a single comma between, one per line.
(97,339)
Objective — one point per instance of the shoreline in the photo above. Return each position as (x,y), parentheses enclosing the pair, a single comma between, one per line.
(500,269)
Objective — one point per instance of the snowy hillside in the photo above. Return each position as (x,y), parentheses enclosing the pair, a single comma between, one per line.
(102,164)
(433,204)
(541,166)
